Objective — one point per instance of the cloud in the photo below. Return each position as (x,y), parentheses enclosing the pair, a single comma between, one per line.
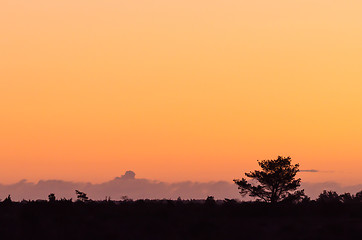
(129,175)
(138,188)
(125,185)
(310,170)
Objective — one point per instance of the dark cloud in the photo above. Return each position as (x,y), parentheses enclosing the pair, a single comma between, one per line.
(310,170)
(129,175)
(136,188)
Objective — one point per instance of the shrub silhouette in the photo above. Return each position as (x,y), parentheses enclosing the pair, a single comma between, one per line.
(277,181)
(210,200)
(51,197)
(8,199)
(358,197)
(346,198)
(329,197)
(333,197)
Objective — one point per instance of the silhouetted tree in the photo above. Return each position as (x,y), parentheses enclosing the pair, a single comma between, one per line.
(358,196)
(51,197)
(346,198)
(277,181)
(296,197)
(81,196)
(126,199)
(210,200)
(329,197)
(8,199)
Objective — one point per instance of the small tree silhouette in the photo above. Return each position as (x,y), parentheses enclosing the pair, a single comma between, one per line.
(81,196)
(210,200)
(8,199)
(277,181)
(51,197)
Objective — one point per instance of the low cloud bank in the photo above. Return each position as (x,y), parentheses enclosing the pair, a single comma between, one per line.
(126,185)
(135,188)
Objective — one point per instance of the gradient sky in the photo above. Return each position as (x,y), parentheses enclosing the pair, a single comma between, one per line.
(179,89)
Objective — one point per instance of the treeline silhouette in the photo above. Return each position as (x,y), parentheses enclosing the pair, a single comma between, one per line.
(330,216)
(326,197)
(280,211)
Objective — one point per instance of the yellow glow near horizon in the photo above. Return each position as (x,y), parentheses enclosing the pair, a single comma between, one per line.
(179,90)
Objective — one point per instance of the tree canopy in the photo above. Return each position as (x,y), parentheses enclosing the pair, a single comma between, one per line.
(277,181)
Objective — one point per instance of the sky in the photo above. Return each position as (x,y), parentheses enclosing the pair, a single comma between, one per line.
(179,90)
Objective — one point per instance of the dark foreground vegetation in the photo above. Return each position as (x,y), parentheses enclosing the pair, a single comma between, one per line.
(281,211)
(193,219)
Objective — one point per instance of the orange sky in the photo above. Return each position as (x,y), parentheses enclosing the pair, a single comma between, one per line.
(179,90)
